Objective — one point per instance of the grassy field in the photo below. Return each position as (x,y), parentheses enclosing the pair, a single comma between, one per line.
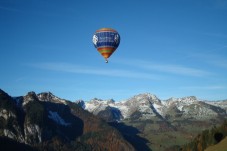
(162,135)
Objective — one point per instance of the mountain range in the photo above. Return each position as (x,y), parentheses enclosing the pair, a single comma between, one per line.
(143,122)
(148,106)
(175,121)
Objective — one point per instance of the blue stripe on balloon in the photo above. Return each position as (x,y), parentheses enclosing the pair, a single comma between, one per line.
(107,39)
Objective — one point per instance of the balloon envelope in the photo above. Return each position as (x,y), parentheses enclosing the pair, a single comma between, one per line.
(106,41)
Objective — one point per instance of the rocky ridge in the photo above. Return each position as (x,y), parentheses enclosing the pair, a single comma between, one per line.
(148,105)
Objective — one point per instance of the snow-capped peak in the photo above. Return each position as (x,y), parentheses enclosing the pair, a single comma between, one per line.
(184,100)
(145,98)
(100,101)
(80,103)
(49,97)
(145,103)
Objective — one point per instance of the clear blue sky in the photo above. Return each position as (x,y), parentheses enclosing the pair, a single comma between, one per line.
(170,48)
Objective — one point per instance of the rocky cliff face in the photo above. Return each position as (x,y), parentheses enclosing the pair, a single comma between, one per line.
(47,122)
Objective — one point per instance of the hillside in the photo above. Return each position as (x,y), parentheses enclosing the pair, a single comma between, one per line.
(222,146)
(46,122)
(213,139)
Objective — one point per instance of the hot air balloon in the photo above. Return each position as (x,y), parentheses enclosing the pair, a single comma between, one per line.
(106,41)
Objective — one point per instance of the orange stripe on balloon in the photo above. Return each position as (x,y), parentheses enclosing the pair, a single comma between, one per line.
(106,30)
(106,51)
(106,55)
(107,48)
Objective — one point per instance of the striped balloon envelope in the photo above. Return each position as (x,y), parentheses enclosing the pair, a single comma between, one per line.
(106,41)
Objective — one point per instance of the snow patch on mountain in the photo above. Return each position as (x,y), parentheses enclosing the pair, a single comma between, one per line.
(90,107)
(123,109)
(55,117)
(222,104)
(159,108)
(6,114)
